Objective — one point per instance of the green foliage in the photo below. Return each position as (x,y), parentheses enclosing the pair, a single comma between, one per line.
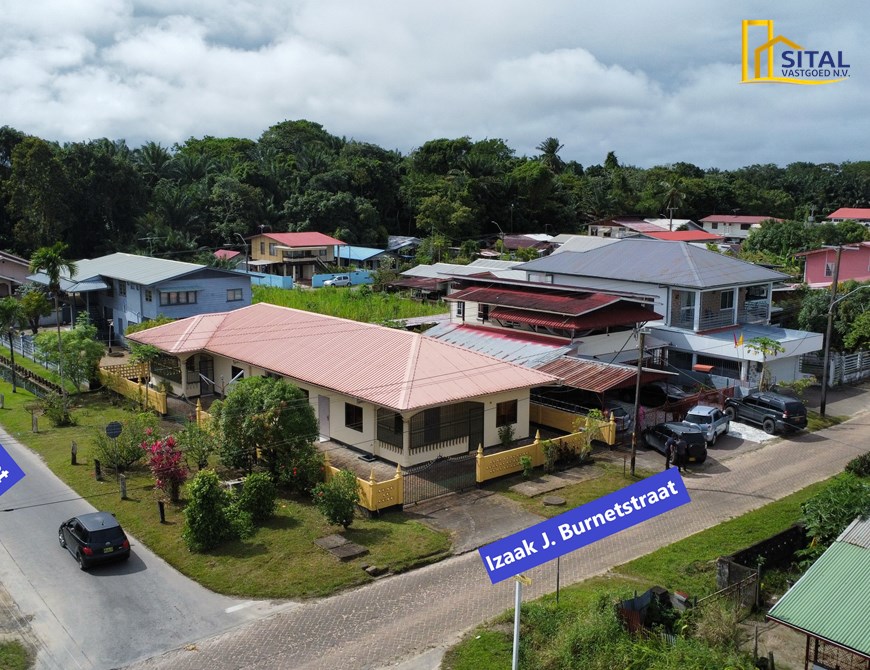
(860,465)
(266,415)
(14,656)
(56,409)
(80,355)
(506,434)
(159,320)
(143,353)
(526,464)
(551,453)
(766,346)
(827,514)
(337,498)
(34,305)
(208,516)
(126,449)
(858,337)
(258,496)
(590,429)
(197,444)
(798,386)
(302,471)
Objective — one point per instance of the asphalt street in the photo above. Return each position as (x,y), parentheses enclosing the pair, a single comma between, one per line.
(110,615)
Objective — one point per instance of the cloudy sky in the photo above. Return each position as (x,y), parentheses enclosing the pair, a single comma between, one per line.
(656,82)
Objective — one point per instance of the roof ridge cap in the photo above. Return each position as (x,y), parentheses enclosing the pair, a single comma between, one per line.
(410,368)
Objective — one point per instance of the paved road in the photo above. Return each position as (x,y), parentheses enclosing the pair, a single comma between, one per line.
(402,621)
(110,615)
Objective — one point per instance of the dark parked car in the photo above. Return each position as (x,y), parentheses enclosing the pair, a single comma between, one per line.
(775,413)
(94,538)
(656,394)
(656,437)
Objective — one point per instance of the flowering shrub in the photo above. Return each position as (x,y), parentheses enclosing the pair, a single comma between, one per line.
(166,461)
(337,498)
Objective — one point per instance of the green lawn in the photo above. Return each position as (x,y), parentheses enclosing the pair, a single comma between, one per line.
(13,656)
(36,368)
(279,561)
(358,304)
(688,565)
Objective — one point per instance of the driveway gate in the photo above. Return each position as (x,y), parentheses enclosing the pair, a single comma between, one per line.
(439,477)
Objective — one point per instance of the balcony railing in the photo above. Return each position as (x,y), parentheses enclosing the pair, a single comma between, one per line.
(753,311)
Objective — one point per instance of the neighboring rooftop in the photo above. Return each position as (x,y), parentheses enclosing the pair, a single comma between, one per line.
(303,240)
(738,219)
(850,214)
(684,236)
(655,262)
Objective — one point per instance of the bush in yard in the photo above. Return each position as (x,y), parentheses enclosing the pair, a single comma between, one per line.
(337,498)
(197,443)
(55,408)
(300,472)
(126,449)
(506,435)
(166,462)
(258,496)
(860,466)
(211,517)
(827,513)
(526,465)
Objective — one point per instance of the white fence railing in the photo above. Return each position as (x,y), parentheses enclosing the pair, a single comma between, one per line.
(842,368)
(23,346)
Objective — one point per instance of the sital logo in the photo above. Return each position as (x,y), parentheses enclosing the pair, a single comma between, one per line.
(795,64)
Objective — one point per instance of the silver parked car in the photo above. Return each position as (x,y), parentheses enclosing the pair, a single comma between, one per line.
(712,420)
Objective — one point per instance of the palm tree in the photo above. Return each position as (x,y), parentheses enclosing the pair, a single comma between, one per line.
(549,157)
(10,316)
(673,197)
(52,262)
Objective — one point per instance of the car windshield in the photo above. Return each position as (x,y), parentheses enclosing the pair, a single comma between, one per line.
(699,418)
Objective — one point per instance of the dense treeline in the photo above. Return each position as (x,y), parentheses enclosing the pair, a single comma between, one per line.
(102,196)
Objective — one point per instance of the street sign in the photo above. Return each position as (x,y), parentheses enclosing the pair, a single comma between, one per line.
(584,525)
(10,473)
(114,429)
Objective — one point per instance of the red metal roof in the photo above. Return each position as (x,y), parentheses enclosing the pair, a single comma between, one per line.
(385,366)
(596,376)
(611,315)
(684,235)
(553,302)
(226,253)
(303,239)
(854,213)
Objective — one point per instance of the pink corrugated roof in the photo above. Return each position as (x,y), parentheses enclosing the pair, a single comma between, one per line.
(303,239)
(557,302)
(684,236)
(226,253)
(854,213)
(388,367)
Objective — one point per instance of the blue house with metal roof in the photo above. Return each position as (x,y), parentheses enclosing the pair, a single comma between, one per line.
(122,289)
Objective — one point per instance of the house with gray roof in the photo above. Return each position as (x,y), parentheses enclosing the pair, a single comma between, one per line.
(712,305)
(122,289)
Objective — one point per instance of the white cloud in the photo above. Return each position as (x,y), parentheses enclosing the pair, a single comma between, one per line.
(654,82)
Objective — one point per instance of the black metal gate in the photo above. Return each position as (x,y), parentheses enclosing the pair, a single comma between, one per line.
(446,474)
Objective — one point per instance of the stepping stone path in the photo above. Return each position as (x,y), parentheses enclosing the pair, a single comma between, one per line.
(341,547)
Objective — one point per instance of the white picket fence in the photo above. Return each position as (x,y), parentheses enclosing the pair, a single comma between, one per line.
(23,345)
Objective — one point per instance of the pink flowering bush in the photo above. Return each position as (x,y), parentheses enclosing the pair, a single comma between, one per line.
(167,465)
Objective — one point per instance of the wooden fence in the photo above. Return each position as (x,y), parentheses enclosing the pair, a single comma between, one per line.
(118,379)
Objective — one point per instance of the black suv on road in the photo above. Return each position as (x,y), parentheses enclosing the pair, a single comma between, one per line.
(775,413)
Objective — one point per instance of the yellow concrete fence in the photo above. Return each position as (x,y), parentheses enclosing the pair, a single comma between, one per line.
(138,392)
(374,495)
(566,421)
(508,462)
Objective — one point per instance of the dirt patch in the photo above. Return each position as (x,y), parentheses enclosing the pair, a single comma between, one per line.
(788,646)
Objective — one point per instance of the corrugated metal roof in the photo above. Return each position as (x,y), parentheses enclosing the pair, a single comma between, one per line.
(426,283)
(831,600)
(386,366)
(684,236)
(596,376)
(642,227)
(655,262)
(304,239)
(521,348)
(854,213)
(737,218)
(357,253)
(611,315)
(584,243)
(857,533)
(552,302)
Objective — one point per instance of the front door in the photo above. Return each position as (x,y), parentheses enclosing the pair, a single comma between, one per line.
(206,375)
(323,416)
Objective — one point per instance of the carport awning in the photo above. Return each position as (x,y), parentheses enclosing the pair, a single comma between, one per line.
(596,376)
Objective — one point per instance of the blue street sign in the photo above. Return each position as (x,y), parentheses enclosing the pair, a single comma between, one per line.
(10,473)
(584,525)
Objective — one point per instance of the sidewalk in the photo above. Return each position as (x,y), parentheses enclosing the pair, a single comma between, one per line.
(406,620)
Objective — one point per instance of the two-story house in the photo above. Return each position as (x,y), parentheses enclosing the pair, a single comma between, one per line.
(121,289)
(733,227)
(819,264)
(296,255)
(713,306)
(859,214)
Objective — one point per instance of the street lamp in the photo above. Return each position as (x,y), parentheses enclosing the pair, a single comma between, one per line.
(245,245)
(827,349)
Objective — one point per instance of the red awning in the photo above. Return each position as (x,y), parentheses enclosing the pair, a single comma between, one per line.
(612,315)
(596,376)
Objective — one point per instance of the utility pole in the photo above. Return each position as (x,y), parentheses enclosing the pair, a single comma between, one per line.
(640,338)
(827,354)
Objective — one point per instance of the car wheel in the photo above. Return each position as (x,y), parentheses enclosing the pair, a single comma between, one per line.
(729,411)
(702,459)
(81,559)
(61,540)
(769,426)
(712,442)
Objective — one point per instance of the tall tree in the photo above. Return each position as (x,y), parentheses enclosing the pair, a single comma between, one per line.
(52,261)
(549,157)
(10,316)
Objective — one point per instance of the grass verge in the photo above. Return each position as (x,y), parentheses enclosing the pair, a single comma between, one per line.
(279,561)
(688,565)
(14,656)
